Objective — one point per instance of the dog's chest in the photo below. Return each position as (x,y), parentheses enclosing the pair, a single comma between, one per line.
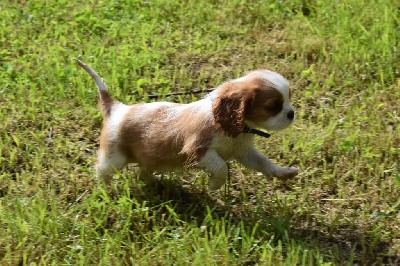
(229,148)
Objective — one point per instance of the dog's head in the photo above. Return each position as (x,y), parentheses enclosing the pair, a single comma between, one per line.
(260,99)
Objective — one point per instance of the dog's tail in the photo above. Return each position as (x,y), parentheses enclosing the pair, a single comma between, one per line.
(105,100)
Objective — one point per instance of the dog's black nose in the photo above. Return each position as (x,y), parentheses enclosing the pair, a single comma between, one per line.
(290,115)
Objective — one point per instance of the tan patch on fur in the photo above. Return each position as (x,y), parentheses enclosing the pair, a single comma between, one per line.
(230,105)
(105,103)
(103,142)
(253,99)
(268,103)
(167,136)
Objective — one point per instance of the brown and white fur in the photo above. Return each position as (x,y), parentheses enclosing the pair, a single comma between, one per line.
(205,133)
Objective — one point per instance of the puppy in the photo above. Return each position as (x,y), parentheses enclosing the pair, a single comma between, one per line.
(205,133)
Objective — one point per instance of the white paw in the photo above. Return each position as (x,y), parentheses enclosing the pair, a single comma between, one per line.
(216,183)
(287,172)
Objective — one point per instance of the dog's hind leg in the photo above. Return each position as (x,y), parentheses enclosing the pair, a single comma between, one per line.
(108,163)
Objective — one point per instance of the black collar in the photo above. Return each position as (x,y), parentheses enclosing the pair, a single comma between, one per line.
(247,129)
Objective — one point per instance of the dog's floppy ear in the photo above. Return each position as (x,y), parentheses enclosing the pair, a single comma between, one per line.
(230,106)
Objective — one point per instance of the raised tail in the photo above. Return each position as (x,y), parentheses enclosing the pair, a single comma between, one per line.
(105,100)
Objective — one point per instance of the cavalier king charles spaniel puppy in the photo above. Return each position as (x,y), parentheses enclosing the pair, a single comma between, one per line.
(205,134)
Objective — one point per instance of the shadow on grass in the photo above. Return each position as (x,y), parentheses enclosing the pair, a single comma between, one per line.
(345,244)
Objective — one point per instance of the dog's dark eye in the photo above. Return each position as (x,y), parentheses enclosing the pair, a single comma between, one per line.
(275,108)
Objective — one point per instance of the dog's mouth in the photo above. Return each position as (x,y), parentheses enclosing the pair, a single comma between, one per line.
(274,125)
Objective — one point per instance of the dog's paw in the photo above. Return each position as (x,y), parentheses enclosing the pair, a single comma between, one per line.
(287,172)
(216,183)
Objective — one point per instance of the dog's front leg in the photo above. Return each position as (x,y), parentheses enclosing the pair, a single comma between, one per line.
(216,166)
(253,159)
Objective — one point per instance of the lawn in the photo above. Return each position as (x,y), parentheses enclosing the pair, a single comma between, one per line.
(342,59)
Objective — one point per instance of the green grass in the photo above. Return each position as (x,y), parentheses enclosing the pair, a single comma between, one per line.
(342,60)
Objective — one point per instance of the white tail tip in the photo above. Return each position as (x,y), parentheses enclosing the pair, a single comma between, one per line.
(97,79)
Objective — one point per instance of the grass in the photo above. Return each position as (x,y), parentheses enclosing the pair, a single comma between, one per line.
(342,60)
